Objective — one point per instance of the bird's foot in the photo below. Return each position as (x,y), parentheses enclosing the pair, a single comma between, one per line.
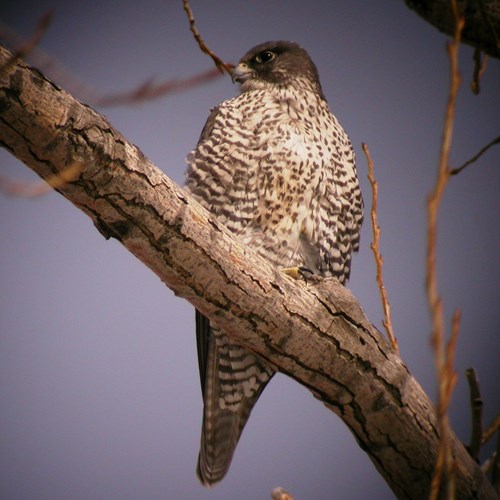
(298,272)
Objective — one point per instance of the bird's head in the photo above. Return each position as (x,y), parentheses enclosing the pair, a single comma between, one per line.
(279,63)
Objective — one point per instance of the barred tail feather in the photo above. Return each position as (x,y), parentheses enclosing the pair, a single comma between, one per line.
(232,380)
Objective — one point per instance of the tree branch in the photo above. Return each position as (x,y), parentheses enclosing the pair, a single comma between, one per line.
(480,64)
(345,361)
(375,247)
(25,48)
(219,63)
(496,467)
(444,353)
(476,157)
(476,405)
(482,21)
(490,430)
(146,91)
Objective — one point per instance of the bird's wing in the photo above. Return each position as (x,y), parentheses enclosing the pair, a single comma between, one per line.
(335,215)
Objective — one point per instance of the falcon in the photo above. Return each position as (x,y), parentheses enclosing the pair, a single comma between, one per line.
(274,165)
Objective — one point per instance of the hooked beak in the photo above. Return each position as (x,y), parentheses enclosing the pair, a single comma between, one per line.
(241,73)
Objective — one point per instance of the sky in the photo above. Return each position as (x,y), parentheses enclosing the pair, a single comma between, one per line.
(99,385)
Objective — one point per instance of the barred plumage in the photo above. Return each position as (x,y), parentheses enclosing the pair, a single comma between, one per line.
(275,166)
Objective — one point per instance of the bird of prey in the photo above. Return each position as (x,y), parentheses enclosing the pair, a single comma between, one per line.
(274,165)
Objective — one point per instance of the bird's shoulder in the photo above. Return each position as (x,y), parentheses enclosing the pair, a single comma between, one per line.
(242,110)
(267,105)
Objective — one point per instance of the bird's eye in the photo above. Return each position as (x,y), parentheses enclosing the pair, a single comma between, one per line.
(265,56)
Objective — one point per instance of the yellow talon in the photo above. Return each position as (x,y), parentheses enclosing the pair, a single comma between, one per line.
(293,272)
(298,272)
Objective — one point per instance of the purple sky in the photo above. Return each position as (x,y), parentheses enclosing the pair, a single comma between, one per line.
(99,386)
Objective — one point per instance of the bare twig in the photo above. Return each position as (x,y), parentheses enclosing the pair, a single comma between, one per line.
(375,246)
(487,465)
(476,404)
(221,65)
(33,189)
(495,479)
(443,355)
(490,430)
(46,62)
(457,170)
(493,463)
(480,64)
(30,44)
(281,494)
(148,91)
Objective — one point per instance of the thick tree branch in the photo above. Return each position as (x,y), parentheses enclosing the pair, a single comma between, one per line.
(482,21)
(345,361)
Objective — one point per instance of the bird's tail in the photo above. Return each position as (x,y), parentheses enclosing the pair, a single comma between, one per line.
(232,380)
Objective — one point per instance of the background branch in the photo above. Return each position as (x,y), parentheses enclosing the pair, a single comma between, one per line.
(476,157)
(146,91)
(496,467)
(34,189)
(480,64)
(444,355)
(476,404)
(29,45)
(491,429)
(149,90)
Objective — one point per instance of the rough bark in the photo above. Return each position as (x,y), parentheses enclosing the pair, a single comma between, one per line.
(314,332)
(482,21)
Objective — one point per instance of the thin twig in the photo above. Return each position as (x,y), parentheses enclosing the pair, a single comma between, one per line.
(143,92)
(47,63)
(492,463)
(480,64)
(495,474)
(221,65)
(476,157)
(375,246)
(443,355)
(476,405)
(30,44)
(148,90)
(450,382)
(34,189)
(487,465)
(490,430)
(281,494)
(451,349)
